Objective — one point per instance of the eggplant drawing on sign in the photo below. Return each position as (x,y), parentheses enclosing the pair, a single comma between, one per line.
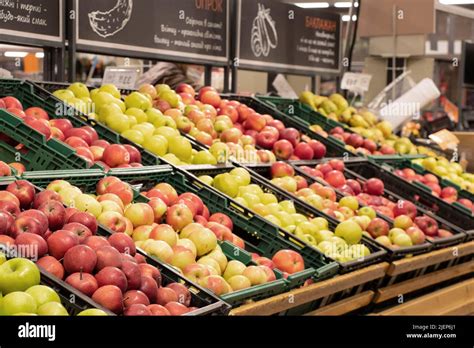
(264,34)
(109,23)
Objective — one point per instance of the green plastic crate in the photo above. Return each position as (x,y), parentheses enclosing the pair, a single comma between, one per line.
(87,181)
(37,153)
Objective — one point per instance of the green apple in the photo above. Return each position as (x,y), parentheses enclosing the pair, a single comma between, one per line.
(52,309)
(162,88)
(79,105)
(349,202)
(320,223)
(109,110)
(206,179)
(181,147)
(359,251)
(171,97)
(287,206)
(285,218)
(298,218)
(244,203)
(252,188)
(273,208)
(139,114)
(402,240)
(120,104)
(17,302)
(167,132)
(88,204)
(147,129)
(306,228)
(93,312)
(384,240)
(251,199)
(327,247)
(242,175)
(18,275)
(323,235)
(79,89)
(134,136)
(394,232)
(153,115)
(133,121)
(3,258)
(102,99)
(308,239)
(220,151)
(156,144)
(315,201)
(268,198)
(239,282)
(227,184)
(259,209)
(367,211)
(111,89)
(169,122)
(273,219)
(43,294)
(204,157)
(64,94)
(137,100)
(118,122)
(350,231)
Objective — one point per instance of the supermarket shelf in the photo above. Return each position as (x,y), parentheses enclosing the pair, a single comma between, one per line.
(424,281)
(321,290)
(457,299)
(345,306)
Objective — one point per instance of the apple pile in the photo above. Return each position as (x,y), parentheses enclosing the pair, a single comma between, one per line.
(448,194)
(371,195)
(137,120)
(176,229)
(64,242)
(24,296)
(84,140)
(237,184)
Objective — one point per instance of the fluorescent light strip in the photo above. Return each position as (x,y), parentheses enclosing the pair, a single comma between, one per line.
(346,18)
(14,54)
(457,2)
(39,55)
(345,4)
(312,4)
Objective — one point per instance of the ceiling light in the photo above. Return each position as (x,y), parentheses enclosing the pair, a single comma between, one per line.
(346,18)
(345,4)
(39,55)
(312,4)
(13,54)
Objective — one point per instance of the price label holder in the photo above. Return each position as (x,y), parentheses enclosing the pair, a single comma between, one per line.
(357,83)
(283,87)
(445,139)
(122,77)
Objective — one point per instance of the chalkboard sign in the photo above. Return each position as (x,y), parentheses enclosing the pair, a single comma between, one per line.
(32,21)
(282,37)
(183,30)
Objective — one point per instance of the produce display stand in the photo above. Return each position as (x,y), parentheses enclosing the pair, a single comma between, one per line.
(342,294)
(87,181)
(75,301)
(362,170)
(411,274)
(456,299)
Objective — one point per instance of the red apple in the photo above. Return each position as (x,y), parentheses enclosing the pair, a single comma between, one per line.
(292,135)
(134,297)
(374,187)
(5,170)
(85,219)
(288,261)
(416,235)
(158,310)
(45,196)
(12,102)
(378,227)
(132,273)
(304,151)
(283,149)
(179,216)
(123,243)
(354,185)
(96,242)
(266,139)
(108,256)
(51,265)
(222,219)
(335,178)
(428,225)
(255,122)
(184,296)
(6,222)
(166,295)
(60,242)
(405,208)
(31,246)
(78,229)
(84,282)
(80,133)
(80,258)
(62,124)
(115,155)
(26,224)
(150,288)
(110,297)
(56,214)
(281,170)
(176,308)
(112,276)
(24,191)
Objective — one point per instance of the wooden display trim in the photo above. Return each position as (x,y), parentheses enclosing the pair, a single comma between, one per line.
(454,300)
(297,297)
(424,281)
(429,259)
(345,306)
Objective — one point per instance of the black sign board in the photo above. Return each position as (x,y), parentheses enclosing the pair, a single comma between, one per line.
(186,30)
(32,21)
(282,37)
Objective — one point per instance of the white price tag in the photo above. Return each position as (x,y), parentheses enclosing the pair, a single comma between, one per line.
(122,77)
(355,82)
(283,88)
